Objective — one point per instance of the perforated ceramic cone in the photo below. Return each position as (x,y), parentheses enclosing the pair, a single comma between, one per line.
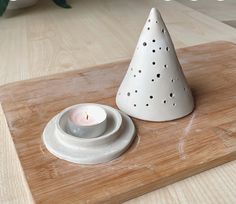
(154,87)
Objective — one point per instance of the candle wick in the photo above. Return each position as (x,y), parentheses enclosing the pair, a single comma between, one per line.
(87,116)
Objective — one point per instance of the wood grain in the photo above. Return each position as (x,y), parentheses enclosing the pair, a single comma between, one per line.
(162,153)
(20,192)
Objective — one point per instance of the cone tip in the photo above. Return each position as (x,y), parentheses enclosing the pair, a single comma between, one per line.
(154,11)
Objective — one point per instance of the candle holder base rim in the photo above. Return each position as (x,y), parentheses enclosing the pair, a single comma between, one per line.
(106,151)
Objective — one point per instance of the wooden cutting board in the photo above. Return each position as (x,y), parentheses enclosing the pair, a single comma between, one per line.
(162,152)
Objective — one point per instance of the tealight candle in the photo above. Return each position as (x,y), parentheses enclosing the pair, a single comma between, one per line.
(87,121)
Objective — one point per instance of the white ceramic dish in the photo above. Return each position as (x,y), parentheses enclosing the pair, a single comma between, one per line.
(115,140)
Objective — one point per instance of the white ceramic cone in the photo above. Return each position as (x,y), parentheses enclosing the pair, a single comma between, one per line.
(154,87)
